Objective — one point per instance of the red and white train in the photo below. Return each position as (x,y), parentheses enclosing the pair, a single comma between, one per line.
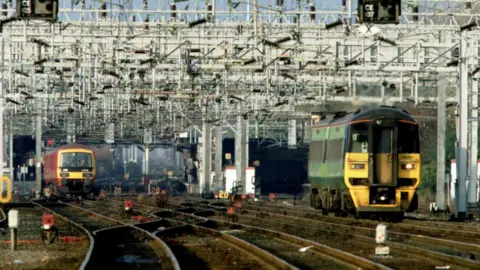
(70,169)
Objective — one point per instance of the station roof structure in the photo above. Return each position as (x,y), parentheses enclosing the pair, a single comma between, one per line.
(144,66)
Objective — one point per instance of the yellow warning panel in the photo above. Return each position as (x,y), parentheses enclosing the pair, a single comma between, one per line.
(8,197)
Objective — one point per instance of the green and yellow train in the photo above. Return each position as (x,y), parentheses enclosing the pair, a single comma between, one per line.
(365,163)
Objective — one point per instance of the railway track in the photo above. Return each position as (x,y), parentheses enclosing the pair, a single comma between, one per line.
(437,250)
(65,251)
(205,248)
(283,245)
(210,249)
(128,247)
(454,232)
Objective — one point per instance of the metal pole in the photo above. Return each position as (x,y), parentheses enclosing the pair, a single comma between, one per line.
(213,10)
(247,146)
(10,152)
(240,151)
(147,165)
(206,157)
(13,239)
(38,135)
(461,191)
(218,157)
(472,184)
(441,127)
(2,107)
(38,147)
(448,180)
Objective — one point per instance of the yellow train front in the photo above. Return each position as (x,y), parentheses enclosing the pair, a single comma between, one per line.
(369,163)
(70,169)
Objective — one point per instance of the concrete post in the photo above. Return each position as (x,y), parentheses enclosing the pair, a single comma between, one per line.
(240,151)
(218,158)
(10,153)
(461,191)
(38,146)
(441,127)
(206,157)
(472,184)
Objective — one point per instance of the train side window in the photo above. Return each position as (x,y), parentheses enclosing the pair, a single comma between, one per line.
(334,150)
(317,151)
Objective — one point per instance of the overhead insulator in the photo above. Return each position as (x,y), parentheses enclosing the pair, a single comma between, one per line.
(468,5)
(312,12)
(103,14)
(209,12)
(344,3)
(415,12)
(280,3)
(4,7)
(173,8)
(145,4)
(147,19)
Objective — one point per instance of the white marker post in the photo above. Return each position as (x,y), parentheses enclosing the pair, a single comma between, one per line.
(380,237)
(13,222)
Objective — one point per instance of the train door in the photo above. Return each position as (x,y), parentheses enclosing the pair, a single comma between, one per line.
(383,152)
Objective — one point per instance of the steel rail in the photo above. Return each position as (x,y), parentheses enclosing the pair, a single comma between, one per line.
(466,247)
(246,247)
(166,252)
(461,262)
(337,255)
(303,212)
(324,251)
(87,232)
(253,250)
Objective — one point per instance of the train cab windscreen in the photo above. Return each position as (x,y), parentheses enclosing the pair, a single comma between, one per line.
(359,138)
(76,160)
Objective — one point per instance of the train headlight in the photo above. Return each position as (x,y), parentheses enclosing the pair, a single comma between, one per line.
(357,166)
(408,166)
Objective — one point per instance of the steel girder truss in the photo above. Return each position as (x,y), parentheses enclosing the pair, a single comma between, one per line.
(166,73)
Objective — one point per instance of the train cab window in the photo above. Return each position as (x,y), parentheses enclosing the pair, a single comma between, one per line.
(408,138)
(359,138)
(75,160)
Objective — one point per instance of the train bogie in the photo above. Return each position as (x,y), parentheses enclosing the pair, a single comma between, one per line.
(365,163)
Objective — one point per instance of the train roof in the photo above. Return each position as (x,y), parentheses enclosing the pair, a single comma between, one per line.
(70,146)
(346,117)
